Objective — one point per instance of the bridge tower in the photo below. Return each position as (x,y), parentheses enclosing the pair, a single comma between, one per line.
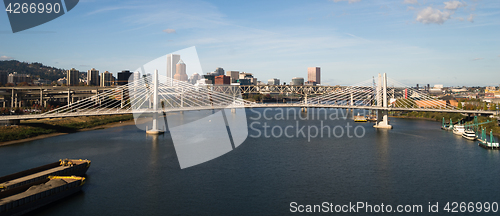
(382,112)
(155,130)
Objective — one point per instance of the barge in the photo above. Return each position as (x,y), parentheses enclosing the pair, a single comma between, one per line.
(23,180)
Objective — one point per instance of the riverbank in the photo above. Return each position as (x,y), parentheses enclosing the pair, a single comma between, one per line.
(30,130)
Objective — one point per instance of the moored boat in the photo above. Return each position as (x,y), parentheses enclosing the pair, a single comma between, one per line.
(469,134)
(492,144)
(458,129)
(360,118)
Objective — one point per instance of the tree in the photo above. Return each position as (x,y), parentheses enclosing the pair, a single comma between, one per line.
(459,105)
(485,106)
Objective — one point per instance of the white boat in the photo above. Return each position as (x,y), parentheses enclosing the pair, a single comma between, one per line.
(469,134)
(458,129)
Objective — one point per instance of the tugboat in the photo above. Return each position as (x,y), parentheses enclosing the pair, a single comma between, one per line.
(360,118)
(469,134)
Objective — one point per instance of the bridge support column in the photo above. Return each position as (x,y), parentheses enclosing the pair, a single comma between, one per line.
(155,130)
(41,97)
(382,115)
(182,97)
(12,99)
(69,97)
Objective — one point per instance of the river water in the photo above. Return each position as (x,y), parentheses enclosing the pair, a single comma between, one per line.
(415,163)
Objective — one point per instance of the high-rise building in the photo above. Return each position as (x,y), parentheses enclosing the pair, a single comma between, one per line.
(273,81)
(73,77)
(297,81)
(218,71)
(172,60)
(3,77)
(314,74)
(93,77)
(235,75)
(16,78)
(209,79)
(222,80)
(180,73)
(107,79)
(194,78)
(123,77)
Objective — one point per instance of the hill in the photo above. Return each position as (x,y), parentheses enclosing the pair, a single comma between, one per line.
(36,70)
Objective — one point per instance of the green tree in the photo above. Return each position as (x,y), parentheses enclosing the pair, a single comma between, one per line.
(459,105)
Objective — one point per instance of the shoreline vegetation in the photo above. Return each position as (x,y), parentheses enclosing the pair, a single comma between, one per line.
(455,117)
(29,130)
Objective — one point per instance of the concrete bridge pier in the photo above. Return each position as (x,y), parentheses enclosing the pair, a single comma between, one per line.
(382,120)
(382,115)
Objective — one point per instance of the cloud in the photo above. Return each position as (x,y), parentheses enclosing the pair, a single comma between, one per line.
(460,18)
(350,1)
(431,15)
(453,5)
(169,31)
(471,18)
(2,58)
(411,8)
(410,2)
(477,59)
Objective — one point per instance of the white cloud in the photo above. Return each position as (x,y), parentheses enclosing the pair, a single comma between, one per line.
(2,58)
(411,8)
(431,15)
(477,59)
(453,5)
(169,31)
(410,2)
(350,1)
(471,18)
(460,18)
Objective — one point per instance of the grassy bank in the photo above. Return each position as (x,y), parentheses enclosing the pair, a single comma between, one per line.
(32,128)
(455,117)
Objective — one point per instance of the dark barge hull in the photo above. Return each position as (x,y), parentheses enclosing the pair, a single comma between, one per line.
(34,201)
(21,181)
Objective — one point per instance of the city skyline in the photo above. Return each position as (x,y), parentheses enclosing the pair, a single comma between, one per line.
(438,42)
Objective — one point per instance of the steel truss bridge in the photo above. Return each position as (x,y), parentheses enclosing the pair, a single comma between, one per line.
(148,94)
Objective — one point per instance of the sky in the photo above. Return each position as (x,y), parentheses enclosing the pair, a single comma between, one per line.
(447,42)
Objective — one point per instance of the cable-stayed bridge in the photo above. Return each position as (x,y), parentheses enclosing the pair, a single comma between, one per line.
(148,94)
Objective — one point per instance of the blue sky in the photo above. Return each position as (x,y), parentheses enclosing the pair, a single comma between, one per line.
(414,41)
